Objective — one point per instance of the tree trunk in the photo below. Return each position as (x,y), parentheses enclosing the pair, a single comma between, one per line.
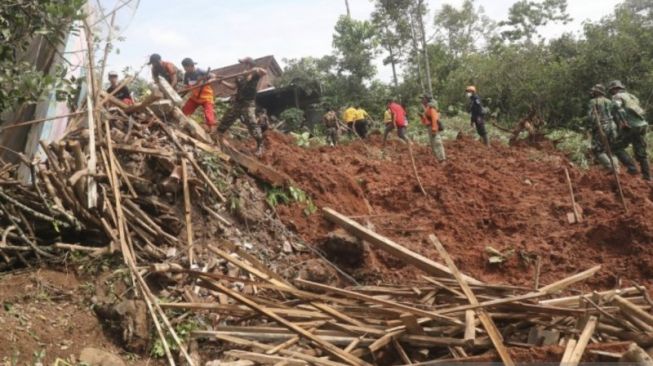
(348,11)
(424,46)
(393,62)
(417,53)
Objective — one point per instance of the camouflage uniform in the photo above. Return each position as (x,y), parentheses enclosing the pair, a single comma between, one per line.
(601,107)
(244,107)
(633,127)
(330,120)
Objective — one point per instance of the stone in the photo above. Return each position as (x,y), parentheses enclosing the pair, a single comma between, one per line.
(344,248)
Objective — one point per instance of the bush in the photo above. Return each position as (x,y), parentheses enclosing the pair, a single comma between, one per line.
(294,118)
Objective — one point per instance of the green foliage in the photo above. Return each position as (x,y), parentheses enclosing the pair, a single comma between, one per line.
(526,16)
(277,196)
(294,118)
(302,139)
(20,22)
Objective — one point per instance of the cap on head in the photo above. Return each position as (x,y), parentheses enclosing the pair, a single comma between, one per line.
(247,61)
(598,89)
(426,97)
(616,84)
(471,89)
(155,58)
(113,74)
(187,62)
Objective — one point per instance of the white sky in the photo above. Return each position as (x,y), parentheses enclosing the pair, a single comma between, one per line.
(216,33)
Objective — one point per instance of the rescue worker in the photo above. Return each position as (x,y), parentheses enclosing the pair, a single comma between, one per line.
(600,112)
(263,120)
(202,96)
(330,120)
(398,119)
(123,93)
(476,109)
(629,116)
(361,122)
(349,117)
(165,69)
(243,105)
(431,119)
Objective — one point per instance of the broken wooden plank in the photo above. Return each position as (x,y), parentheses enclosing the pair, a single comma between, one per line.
(470,326)
(258,169)
(566,282)
(264,359)
(375,300)
(583,340)
(569,349)
(427,265)
(327,347)
(632,309)
(169,91)
(485,319)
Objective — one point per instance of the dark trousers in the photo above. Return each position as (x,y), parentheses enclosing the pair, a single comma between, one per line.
(360,127)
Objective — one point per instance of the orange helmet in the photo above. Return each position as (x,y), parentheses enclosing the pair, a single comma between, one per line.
(471,89)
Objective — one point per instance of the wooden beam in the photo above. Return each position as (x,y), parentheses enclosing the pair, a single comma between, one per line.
(327,347)
(569,348)
(632,309)
(583,340)
(566,282)
(483,316)
(425,264)
(375,300)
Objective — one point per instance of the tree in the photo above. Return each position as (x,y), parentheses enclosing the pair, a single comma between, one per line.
(462,29)
(392,31)
(526,16)
(20,22)
(354,45)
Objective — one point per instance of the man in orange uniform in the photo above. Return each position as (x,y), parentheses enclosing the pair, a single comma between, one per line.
(202,96)
(431,119)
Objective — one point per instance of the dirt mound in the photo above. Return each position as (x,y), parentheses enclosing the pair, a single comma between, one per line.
(513,199)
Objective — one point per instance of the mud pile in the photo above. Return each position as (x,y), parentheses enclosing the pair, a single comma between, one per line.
(513,199)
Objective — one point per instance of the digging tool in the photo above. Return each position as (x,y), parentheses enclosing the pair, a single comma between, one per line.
(412,160)
(608,150)
(577,215)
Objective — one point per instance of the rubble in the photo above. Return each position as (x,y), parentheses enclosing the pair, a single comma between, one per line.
(156,191)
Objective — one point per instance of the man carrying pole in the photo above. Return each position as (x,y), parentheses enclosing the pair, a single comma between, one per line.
(595,105)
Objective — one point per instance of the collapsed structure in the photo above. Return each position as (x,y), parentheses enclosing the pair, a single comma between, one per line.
(156,190)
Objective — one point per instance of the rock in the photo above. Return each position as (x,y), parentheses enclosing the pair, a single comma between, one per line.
(98,357)
(134,323)
(341,247)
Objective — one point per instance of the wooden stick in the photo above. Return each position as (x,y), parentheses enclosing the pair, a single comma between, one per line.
(485,319)
(375,300)
(632,309)
(92,160)
(327,347)
(298,355)
(583,340)
(470,327)
(412,160)
(427,265)
(187,213)
(27,123)
(573,198)
(569,349)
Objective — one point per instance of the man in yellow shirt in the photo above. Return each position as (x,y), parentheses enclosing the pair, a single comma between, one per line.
(349,117)
(360,124)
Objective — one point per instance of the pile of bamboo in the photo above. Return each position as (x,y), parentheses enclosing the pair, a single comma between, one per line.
(265,319)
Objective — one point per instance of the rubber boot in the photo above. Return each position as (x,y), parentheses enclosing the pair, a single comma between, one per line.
(646,171)
(626,160)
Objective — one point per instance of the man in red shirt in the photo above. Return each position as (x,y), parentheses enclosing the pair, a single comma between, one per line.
(398,120)
(123,93)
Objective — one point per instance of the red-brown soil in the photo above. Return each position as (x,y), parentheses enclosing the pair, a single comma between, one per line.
(509,198)
(44,317)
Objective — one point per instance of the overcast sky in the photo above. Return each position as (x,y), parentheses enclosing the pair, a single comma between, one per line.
(216,33)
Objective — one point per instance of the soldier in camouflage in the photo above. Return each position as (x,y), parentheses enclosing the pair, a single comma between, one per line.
(600,113)
(330,120)
(244,103)
(629,116)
